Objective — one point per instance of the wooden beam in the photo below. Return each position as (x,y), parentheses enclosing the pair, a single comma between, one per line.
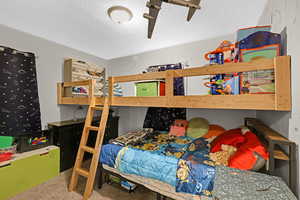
(251,101)
(268,133)
(76,83)
(247,102)
(282,72)
(170,84)
(75,100)
(259,64)
(111,83)
(140,77)
(59,93)
(92,84)
(140,101)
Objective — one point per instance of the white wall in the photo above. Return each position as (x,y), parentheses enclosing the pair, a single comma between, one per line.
(192,53)
(49,64)
(285,14)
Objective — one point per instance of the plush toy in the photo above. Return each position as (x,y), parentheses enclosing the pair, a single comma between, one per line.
(179,128)
(222,157)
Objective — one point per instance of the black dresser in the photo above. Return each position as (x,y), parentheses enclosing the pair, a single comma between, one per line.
(67,135)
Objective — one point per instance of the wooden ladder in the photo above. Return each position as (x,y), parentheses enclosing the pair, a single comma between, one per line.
(78,170)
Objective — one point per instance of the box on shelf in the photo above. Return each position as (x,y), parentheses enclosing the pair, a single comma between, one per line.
(268,51)
(257,82)
(6,141)
(150,88)
(245,32)
(77,70)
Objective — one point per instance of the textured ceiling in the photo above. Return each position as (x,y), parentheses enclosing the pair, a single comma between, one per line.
(84,24)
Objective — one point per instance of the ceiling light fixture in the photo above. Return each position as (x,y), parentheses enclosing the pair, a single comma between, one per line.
(119,14)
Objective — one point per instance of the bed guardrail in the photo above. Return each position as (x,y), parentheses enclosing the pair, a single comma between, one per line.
(280,100)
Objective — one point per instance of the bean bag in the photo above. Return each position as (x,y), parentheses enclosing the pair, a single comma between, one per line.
(233,137)
(248,153)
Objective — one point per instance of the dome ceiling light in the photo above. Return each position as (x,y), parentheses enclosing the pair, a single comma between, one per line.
(119,14)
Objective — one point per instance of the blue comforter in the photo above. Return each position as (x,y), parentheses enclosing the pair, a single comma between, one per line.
(180,165)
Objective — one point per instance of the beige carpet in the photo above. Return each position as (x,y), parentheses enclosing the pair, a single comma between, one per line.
(56,189)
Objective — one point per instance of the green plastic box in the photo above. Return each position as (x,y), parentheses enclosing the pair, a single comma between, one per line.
(6,141)
(147,89)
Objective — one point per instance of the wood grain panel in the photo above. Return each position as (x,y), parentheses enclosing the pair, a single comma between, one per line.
(283,83)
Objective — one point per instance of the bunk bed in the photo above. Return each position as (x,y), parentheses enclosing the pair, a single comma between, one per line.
(279,101)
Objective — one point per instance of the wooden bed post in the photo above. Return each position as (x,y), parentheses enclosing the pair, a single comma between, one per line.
(169,87)
(60,93)
(92,84)
(282,70)
(111,83)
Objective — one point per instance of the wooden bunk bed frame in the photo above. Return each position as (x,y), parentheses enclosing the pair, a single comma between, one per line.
(280,100)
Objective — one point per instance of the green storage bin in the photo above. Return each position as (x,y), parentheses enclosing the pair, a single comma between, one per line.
(6,141)
(28,170)
(147,89)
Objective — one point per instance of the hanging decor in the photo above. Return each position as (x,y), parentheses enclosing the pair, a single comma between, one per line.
(19,100)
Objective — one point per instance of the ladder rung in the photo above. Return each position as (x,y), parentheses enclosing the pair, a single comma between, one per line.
(88,149)
(97,108)
(82,172)
(93,128)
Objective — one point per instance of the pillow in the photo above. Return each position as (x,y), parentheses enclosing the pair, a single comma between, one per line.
(247,155)
(178,128)
(233,137)
(197,127)
(214,130)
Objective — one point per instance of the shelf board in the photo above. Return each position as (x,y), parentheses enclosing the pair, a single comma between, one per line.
(280,155)
(242,102)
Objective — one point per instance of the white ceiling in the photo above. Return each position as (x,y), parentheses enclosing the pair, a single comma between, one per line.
(84,24)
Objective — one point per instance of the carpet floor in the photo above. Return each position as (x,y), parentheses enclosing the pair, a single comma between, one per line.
(56,188)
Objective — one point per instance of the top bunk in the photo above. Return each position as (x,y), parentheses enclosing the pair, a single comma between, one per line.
(279,101)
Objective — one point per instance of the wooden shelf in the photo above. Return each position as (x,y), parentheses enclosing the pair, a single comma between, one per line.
(280,155)
(280,101)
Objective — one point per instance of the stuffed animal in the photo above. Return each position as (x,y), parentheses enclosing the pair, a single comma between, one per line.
(222,157)
(178,128)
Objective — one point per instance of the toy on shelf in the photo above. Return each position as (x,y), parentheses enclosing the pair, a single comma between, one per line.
(223,54)
(261,44)
(179,128)
(245,32)
(7,153)
(37,140)
(224,84)
(258,82)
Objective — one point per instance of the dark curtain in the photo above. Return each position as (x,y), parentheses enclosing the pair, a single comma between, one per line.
(160,119)
(19,100)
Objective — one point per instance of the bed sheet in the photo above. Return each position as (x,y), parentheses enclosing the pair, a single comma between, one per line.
(180,162)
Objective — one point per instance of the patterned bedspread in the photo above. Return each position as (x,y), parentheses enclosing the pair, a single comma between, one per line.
(184,164)
(181,162)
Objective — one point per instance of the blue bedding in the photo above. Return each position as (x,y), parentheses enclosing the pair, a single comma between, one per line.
(179,162)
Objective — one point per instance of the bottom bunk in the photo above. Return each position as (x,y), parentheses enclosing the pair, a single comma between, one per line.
(230,184)
(183,167)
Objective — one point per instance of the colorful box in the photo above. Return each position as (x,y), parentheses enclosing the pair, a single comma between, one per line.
(150,88)
(257,82)
(245,32)
(268,51)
